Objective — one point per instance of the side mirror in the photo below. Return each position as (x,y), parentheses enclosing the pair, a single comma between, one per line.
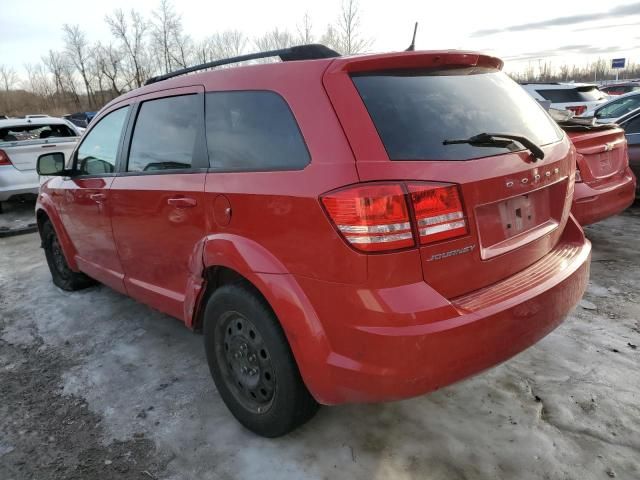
(51,164)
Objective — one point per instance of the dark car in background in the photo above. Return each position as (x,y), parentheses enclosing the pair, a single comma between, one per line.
(80,119)
(631,125)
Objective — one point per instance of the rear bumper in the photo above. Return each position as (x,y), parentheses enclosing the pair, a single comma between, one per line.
(384,346)
(590,205)
(15,182)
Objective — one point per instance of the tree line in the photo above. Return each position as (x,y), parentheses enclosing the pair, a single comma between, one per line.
(85,75)
(597,71)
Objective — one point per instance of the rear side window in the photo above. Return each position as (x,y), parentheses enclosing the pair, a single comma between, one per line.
(572,95)
(414,112)
(98,151)
(167,134)
(253,131)
(35,132)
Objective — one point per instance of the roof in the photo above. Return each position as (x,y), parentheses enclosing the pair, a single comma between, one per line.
(351,64)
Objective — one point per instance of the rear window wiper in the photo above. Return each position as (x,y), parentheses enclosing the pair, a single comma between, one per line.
(499,140)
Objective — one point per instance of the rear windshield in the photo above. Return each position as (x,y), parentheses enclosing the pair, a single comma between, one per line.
(33,132)
(572,95)
(414,112)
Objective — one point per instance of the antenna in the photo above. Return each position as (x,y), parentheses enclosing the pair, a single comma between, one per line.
(412,47)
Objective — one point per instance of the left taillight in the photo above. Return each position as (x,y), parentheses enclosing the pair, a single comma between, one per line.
(4,158)
(376,217)
(371,218)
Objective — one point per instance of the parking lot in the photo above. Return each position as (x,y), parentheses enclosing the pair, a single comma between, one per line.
(95,385)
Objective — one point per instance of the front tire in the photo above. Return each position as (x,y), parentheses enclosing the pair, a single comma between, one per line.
(252,365)
(62,276)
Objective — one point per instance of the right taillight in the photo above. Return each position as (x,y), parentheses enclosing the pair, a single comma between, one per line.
(376,218)
(4,158)
(438,210)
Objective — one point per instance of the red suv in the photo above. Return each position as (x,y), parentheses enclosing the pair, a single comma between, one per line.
(343,229)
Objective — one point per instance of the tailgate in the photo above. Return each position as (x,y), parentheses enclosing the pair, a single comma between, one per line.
(602,153)
(397,112)
(24,155)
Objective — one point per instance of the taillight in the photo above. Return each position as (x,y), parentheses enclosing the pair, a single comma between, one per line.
(438,210)
(578,109)
(4,158)
(375,217)
(371,217)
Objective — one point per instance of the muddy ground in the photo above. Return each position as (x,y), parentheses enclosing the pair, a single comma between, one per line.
(95,385)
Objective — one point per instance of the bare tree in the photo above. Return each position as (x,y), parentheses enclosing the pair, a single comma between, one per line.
(77,49)
(183,48)
(39,83)
(305,30)
(8,77)
(109,63)
(132,38)
(69,83)
(274,39)
(229,43)
(55,61)
(331,38)
(164,24)
(349,35)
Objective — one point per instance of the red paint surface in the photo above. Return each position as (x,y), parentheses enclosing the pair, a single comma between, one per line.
(362,327)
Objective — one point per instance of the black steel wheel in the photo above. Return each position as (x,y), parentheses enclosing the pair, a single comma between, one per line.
(251,362)
(245,362)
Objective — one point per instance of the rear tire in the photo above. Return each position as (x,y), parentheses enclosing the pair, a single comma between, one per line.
(252,365)
(62,276)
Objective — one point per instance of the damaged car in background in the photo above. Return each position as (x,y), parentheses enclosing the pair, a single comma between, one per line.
(22,141)
(605,183)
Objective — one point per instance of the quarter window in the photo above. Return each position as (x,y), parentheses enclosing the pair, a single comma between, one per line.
(167,134)
(253,131)
(98,151)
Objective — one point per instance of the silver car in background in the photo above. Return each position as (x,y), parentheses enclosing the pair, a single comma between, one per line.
(22,141)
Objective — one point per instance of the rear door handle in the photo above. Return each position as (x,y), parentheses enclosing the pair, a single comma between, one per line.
(182,202)
(98,197)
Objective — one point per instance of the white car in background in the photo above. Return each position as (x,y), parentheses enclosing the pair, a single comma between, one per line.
(22,141)
(577,97)
(616,107)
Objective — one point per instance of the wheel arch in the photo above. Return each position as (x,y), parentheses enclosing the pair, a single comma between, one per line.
(228,260)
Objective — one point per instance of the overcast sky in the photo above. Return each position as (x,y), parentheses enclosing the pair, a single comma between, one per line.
(519,32)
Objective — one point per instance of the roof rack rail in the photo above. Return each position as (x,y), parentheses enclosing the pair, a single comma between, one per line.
(311,51)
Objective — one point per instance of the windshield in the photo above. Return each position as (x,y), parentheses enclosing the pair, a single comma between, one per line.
(415,112)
